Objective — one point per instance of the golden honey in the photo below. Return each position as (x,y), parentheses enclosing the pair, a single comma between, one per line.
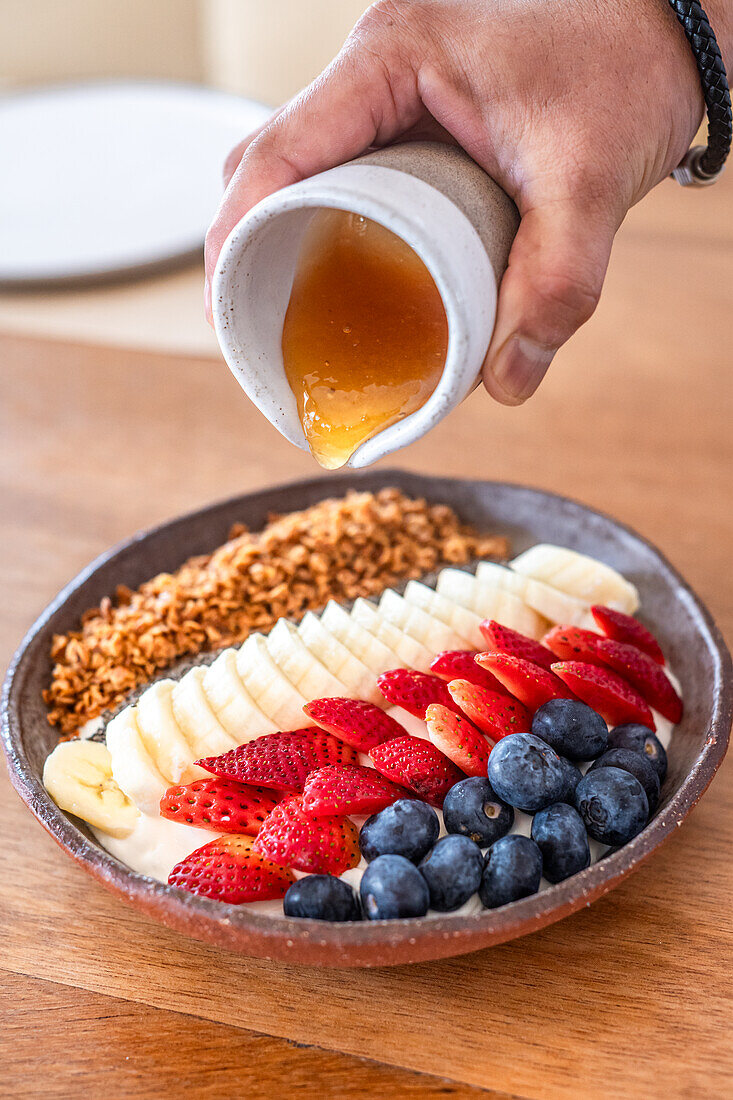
(365,333)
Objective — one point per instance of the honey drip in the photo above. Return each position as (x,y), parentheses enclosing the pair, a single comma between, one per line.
(365,333)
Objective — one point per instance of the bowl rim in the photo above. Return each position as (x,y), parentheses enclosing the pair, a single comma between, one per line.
(364,943)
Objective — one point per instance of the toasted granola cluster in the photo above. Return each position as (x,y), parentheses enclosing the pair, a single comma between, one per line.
(356,545)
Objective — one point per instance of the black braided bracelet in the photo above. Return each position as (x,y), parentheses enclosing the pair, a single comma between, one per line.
(703,163)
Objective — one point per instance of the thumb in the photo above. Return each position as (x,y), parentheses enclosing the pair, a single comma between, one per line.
(552,285)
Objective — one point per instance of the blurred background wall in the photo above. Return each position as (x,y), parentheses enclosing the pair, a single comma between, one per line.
(265,49)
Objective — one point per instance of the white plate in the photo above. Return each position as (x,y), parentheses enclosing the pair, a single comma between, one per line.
(111,178)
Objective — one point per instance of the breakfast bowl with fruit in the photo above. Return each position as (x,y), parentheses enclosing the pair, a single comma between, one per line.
(401,718)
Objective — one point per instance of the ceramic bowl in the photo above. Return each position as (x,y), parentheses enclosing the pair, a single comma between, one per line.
(685,628)
(434,197)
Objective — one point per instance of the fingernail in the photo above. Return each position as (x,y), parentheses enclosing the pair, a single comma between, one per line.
(207,301)
(519,366)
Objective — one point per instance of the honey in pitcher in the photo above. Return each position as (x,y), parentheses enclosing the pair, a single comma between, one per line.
(365,333)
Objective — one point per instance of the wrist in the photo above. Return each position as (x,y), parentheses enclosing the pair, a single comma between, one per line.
(683,65)
(720,14)
(702,164)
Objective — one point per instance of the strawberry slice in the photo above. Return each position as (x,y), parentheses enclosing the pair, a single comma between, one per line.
(460,664)
(645,674)
(229,869)
(348,789)
(417,764)
(414,691)
(458,739)
(532,685)
(495,715)
(625,628)
(222,805)
(502,639)
(572,643)
(361,725)
(605,691)
(280,760)
(321,846)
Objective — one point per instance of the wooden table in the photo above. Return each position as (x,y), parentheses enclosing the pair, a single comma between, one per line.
(630,998)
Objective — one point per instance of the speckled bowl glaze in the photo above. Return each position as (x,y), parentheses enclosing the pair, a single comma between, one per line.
(685,628)
(457,219)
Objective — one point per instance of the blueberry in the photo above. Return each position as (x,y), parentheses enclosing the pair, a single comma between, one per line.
(391,888)
(572,776)
(612,804)
(559,833)
(571,728)
(322,897)
(638,765)
(472,808)
(525,772)
(407,828)
(642,740)
(512,870)
(452,871)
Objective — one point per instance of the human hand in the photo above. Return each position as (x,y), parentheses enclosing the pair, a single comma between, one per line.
(576,109)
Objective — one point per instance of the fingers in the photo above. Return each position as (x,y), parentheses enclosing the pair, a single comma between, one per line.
(551,287)
(351,106)
(235,155)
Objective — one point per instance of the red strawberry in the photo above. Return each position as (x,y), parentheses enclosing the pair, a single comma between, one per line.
(502,639)
(460,664)
(360,724)
(229,869)
(530,683)
(458,739)
(348,789)
(280,760)
(571,643)
(320,845)
(604,691)
(222,805)
(645,674)
(495,715)
(625,628)
(417,764)
(414,691)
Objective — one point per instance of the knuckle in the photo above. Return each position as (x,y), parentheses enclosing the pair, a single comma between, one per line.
(390,16)
(212,242)
(231,161)
(385,11)
(569,296)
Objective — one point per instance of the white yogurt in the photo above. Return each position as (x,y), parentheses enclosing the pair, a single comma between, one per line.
(156,844)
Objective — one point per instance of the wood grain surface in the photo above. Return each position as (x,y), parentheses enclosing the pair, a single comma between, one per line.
(630,998)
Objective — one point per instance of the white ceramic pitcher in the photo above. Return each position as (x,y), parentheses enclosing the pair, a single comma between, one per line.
(459,222)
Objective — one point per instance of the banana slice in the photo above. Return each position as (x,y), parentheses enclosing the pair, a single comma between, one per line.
(409,653)
(377,656)
(162,737)
(195,717)
(133,768)
(423,627)
(578,575)
(269,686)
(551,603)
(557,606)
(460,619)
(78,776)
(489,573)
(491,601)
(458,586)
(301,664)
(357,679)
(232,703)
